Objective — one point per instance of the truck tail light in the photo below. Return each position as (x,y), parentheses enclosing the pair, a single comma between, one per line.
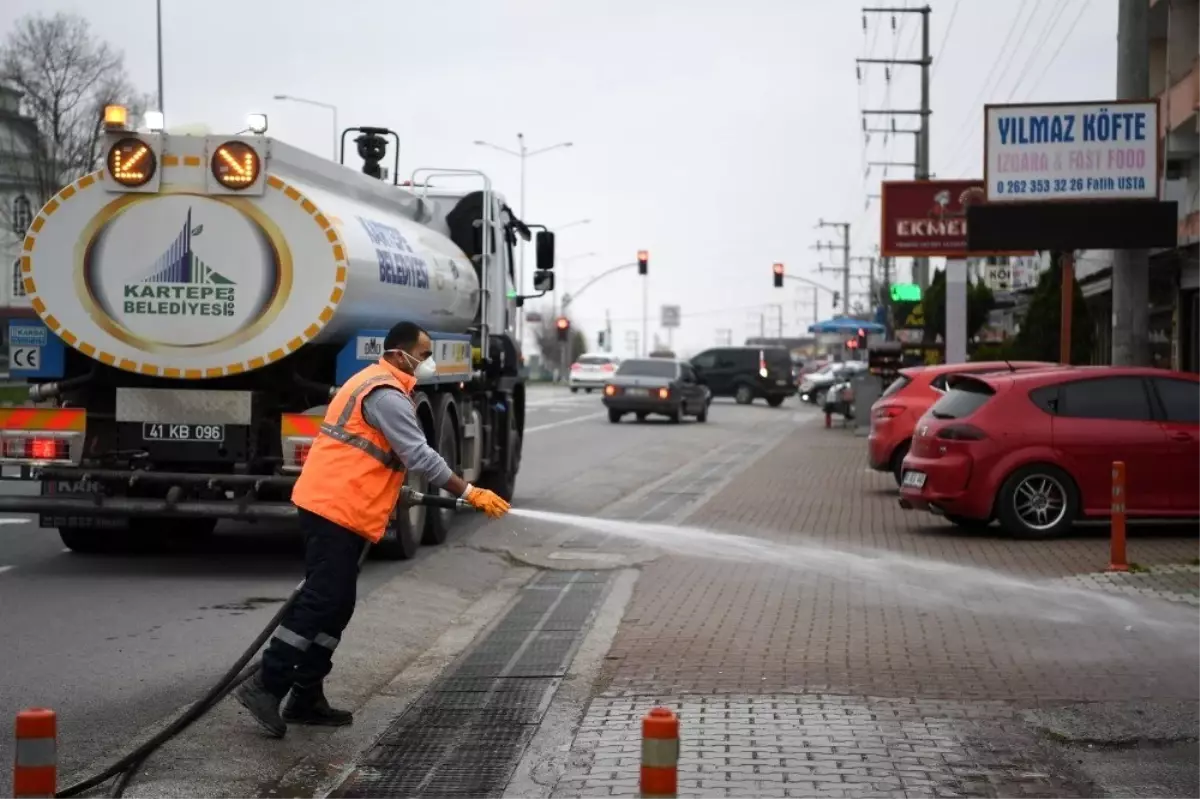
(42,435)
(297,433)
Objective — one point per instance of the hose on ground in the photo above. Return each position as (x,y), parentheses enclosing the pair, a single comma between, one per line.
(127,767)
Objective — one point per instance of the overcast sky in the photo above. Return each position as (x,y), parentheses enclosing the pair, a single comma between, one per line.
(713,134)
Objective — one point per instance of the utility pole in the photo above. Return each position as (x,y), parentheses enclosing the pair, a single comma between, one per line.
(925,62)
(870,261)
(845,267)
(1131,268)
(607,331)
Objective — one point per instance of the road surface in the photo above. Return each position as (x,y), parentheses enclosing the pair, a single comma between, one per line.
(116,643)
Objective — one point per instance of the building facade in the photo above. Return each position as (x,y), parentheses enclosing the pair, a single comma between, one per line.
(19,202)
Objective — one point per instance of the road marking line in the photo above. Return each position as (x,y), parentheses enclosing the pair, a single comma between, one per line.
(9,520)
(563,422)
(3,569)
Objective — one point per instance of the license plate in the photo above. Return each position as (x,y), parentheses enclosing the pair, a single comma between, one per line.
(914,479)
(637,392)
(154,431)
(781,382)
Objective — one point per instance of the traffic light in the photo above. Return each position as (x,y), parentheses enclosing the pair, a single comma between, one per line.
(862,339)
(778,270)
(643,261)
(837,295)
(600,339)
(563,326)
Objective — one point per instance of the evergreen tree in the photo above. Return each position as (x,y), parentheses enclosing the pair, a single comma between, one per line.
(1038,339)
(980,302)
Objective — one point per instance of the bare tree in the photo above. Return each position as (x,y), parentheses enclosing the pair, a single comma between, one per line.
(66,77)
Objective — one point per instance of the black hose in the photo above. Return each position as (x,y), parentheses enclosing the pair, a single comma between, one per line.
(128,765)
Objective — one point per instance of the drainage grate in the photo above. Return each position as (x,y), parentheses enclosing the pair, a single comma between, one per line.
(467,733)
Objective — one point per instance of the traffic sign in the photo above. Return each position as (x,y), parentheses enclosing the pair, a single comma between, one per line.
(670,316)
(906,292)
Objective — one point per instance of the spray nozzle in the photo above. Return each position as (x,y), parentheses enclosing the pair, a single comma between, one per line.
(409,497)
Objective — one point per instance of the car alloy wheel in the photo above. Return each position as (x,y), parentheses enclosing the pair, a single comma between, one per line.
(1040,502)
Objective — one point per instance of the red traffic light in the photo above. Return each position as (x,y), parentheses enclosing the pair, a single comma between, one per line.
(778,269)
(562,323)
(862,333)
(643,261)
(852,344)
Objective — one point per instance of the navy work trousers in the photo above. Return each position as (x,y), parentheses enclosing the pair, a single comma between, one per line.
(300,653)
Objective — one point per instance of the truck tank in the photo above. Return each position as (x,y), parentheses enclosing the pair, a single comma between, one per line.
(189,281)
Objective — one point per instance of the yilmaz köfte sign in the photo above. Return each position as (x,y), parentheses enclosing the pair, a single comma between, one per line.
(1071,151)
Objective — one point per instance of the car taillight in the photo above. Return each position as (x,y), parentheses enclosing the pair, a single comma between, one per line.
(887,412)
(663,393)
(575,367)
(762,366)
(608,367)
(961,432)
(610,390)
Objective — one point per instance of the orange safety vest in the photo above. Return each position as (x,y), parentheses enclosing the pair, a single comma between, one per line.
(351,476)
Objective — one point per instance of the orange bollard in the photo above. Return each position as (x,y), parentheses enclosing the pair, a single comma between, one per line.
(1117,559)
(660,753)
(35,765)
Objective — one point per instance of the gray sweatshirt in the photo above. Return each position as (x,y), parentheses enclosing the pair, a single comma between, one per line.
(393,414)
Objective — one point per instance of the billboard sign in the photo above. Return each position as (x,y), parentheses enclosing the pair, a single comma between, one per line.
(1071,151)
(927,217)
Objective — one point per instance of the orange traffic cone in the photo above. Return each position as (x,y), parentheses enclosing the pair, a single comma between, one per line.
(35,765)
(660,753)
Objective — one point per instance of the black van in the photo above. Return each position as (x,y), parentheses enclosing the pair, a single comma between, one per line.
(746,373)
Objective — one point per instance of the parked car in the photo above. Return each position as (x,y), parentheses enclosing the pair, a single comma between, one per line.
(1034,449)
(909,396)
(592,371)
(814,386)
(747,373)
(643,386)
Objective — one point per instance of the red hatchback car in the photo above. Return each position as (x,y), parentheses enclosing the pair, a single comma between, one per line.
(895,413)
(1035,449)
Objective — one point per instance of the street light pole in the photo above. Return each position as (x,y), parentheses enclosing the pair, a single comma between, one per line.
(328,106)
(524,154)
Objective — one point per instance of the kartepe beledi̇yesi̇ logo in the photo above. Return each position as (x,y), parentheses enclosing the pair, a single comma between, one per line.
(181,271)
(181,284)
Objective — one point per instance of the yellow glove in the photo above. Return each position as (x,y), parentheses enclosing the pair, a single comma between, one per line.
(487,501)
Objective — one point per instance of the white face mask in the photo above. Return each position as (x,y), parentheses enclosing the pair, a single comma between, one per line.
(422,370)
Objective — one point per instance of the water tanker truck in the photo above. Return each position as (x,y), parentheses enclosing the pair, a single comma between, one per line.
(200,298)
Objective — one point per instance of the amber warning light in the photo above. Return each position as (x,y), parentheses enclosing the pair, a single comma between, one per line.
(131,162)
(235,165)
(116,117)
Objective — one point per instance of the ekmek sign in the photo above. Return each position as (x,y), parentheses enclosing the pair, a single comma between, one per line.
(928,218)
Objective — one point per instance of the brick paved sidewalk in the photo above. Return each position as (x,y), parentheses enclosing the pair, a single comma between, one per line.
(813,679)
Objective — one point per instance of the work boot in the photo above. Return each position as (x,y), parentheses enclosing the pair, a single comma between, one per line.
(309,706)
(262,704)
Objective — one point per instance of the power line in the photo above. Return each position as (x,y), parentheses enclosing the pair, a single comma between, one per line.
(1061,43)
(1012,54)
(1037,48)
(966,123)
(945,38)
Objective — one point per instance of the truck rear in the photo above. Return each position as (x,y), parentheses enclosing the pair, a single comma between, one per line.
(199,300)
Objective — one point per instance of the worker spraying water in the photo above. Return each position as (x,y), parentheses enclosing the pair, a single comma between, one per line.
(347,492)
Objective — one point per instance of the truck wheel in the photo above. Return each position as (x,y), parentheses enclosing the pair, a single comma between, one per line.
(744,395)
(437,523)
(403,536)
(503,480)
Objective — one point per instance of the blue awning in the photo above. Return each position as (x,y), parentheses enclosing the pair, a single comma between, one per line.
(844,324)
